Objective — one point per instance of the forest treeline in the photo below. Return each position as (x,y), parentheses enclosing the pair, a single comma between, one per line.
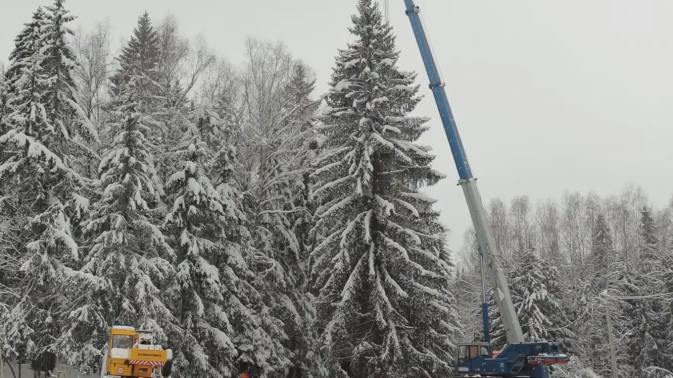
(255,225)
(567,261)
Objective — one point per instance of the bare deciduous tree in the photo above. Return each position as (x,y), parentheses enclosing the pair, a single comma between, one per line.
(95,62)
(500,227)
(575,235)
(522,224)
(548,224)
(220,77)
(272,134)
(182,62)
(221,85)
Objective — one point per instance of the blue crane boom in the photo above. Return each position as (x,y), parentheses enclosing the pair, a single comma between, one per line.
(519,358)
(491,256)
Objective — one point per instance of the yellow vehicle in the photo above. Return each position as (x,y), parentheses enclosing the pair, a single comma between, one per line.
(131,353)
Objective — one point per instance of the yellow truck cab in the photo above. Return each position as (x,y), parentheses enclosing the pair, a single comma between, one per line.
(132,354)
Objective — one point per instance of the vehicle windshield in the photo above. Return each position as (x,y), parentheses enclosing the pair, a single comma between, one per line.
(122,341)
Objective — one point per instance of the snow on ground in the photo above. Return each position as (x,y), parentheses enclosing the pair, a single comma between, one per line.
(26,372)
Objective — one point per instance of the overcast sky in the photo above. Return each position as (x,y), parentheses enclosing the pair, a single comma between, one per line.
(548,95)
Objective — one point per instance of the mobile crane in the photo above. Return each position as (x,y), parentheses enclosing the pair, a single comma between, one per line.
(132,353)
(519,358)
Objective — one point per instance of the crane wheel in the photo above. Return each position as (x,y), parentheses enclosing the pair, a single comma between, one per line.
(166,369)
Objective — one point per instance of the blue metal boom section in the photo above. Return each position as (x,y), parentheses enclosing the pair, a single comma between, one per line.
(459,156)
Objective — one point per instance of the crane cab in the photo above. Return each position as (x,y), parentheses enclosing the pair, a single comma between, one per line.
(469,352)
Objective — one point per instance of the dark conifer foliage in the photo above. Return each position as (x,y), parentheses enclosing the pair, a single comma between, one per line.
(139,58)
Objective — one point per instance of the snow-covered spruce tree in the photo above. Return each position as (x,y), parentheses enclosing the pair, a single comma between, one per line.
(664,276)
(648,360)
(58,63)
(468,302)
(648,241)
(536,297)
(384,303)
(467,288)
(602,252)
(275,151)
(41,138)
(588,310)
(299,89)
(4,98)
(196,226)
(642,320)
(643,324)
(561,318)
(536,294)
(20,334)
(139,59)
(615,278)
(256,334)
(26,44)
(655,312)
(589,324)
(285,217)
(574,369)
(627,318)
(129,264)
(498,336)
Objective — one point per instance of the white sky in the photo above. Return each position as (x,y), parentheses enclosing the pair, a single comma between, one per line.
(548,95)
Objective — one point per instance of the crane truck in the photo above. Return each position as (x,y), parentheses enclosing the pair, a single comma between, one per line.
(520,358)
(132,353)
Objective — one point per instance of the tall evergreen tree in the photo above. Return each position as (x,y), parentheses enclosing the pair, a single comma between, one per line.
(534,285)
(666,276)
(4,98)
(300,88)
(58,62)
(613,279)
(197,225)
(291,218)
(602,252)
(647,319)
(217,306)
(562,318)
(26,44)
(256,333)
(627,318)
(41,139)
(23,156)
(130,263)
(648,242)
(384,304)
(139,58)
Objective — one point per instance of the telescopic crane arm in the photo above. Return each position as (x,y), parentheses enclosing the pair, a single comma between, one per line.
(519,358)
(491,256)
